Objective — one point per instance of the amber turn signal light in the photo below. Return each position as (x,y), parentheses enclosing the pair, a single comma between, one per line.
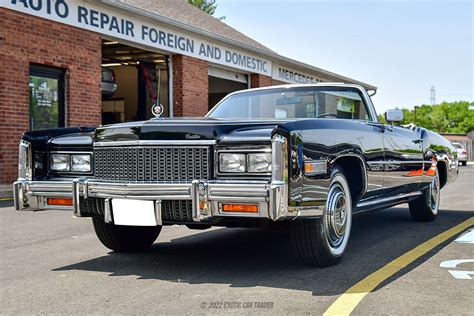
(240,208)
(57,201)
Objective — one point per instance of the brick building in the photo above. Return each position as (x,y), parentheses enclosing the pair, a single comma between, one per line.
(86,63)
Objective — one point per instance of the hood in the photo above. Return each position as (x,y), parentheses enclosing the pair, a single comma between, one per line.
(188,129)
(74,139)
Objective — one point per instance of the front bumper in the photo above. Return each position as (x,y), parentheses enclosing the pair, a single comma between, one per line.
(207,196)
(271,197)
(33,195)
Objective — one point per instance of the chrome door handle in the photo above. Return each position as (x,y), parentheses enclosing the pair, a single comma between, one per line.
(417,141)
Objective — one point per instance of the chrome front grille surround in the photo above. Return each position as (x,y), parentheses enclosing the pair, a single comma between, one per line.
(152,163)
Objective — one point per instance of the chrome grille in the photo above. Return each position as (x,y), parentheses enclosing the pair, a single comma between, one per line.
(157,163)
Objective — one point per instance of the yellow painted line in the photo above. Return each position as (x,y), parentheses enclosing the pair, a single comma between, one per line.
(346,303)
(6,199)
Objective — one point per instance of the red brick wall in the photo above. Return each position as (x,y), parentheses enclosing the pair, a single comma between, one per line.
(25,39)
(277,82)
(257,80)
(190,86)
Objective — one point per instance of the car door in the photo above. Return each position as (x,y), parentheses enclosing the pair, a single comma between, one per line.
(403,161)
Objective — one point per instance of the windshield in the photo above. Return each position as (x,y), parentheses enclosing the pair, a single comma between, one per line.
(298,102)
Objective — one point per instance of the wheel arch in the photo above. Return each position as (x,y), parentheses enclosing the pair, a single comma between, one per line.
(356,173)
(443,172)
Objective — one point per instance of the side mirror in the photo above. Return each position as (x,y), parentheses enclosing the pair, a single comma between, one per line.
(394,116)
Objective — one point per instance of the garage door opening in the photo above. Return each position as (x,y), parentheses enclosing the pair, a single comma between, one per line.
(133,80)
(222,82)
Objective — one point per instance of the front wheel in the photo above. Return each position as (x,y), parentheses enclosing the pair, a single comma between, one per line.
(425,208)
(125,238)
(322,241)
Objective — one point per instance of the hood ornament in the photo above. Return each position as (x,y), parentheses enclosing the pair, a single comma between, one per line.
(157,109)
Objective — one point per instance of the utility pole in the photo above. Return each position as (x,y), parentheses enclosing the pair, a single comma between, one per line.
(433,95)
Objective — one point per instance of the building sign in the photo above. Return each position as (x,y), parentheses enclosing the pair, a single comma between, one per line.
(292,76)
(114,23)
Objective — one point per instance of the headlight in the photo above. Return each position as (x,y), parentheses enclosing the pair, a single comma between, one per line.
(70,162)
(81,163)
(232,162)
(261,162)
(60,162)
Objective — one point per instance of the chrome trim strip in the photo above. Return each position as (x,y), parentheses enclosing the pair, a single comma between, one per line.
(17,194)
(154,142)
(397,161)
(49,186)
(25,161)
(76,191)
(251,192)
(278,203)
(309,211)
(243,139)
(196,212)
(389,199)
(145,191)
(159,220)
(108,212)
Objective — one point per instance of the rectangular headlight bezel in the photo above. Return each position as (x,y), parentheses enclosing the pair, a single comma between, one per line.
(71,169)
(57,158)
(76,167)
(251,164)
(237,156)
(242,151)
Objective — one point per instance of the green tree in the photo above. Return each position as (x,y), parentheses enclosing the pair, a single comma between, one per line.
(382,119)
(446,117)
(208,6)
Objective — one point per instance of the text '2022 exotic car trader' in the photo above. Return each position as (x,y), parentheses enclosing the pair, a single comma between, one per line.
(306,157)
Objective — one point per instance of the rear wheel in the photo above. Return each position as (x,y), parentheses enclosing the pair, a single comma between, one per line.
(322,241)
(425,208)
(125,238)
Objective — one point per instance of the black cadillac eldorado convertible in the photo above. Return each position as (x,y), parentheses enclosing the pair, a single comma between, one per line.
(306,157)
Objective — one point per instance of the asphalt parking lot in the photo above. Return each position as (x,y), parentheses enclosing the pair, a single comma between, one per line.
(53,263)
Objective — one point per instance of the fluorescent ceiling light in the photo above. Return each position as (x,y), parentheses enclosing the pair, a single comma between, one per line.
(111,65)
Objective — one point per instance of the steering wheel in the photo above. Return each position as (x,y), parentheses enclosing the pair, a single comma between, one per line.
(327,114)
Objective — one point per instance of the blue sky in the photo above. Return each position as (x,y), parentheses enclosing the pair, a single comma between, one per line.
(402,47)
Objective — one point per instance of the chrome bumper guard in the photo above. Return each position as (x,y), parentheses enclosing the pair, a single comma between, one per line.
(32,195)
(207,196)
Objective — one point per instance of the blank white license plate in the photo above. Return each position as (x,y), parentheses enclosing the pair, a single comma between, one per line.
(133,212)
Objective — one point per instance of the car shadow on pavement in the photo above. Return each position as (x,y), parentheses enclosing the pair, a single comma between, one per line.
(250,257)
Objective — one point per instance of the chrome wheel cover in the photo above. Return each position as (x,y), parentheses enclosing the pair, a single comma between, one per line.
(434,190)
(338,216)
